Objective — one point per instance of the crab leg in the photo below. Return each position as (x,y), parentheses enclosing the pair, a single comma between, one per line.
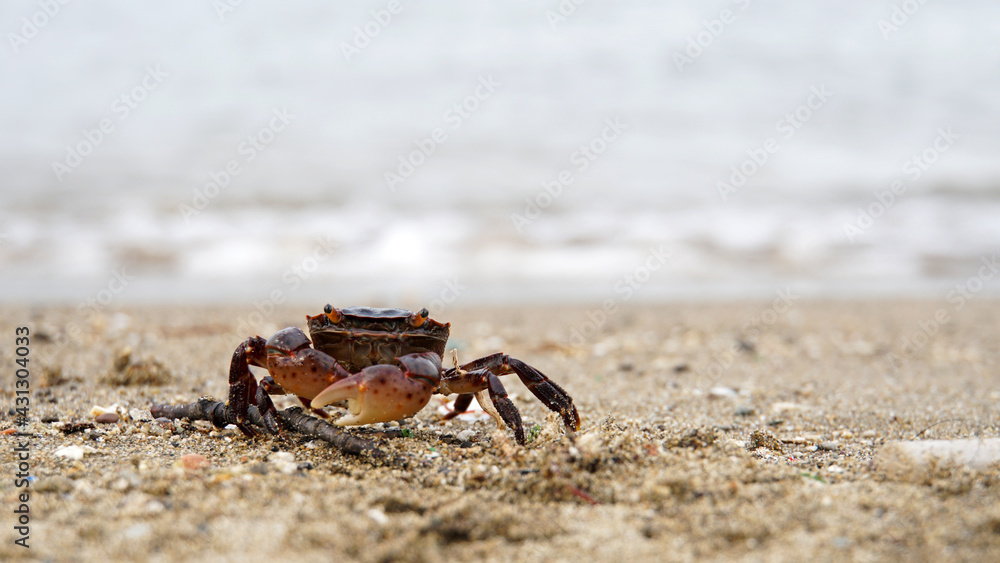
(485,380)
(461,405)
(547,391)
(243,389)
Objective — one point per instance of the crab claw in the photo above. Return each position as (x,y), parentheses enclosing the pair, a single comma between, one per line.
(382,393)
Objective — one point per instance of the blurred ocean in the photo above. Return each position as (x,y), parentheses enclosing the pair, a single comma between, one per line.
(404,152)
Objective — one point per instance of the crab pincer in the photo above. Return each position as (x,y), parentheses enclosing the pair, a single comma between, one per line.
(383,392)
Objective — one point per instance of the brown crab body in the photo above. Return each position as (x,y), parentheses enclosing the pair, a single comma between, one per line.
(363,336)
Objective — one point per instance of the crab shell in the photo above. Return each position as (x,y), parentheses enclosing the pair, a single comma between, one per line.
(359,337)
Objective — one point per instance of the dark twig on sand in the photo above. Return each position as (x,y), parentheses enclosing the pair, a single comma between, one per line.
(296,420)
(219,414)
(204,409)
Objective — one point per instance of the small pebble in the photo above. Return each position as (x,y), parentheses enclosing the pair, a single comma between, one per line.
(762,439)
(782,406)
(284,462)
(194,461)
(722,392)
(107,418)
(137,531)
(745,410)
(98,410)
(140,415)
(975,453)
(74,452)
(50,418)
(465,435)
(378,516)
(121,484)
(829,446)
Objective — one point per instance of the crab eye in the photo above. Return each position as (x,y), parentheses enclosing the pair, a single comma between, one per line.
(417,319)
(332,314)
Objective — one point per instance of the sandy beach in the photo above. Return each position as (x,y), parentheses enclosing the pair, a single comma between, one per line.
(751,431)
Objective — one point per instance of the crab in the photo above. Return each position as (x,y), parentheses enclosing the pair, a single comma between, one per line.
(382,365)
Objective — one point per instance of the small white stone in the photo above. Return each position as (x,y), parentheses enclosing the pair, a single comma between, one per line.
(140,415)
(284,462)
(722,392)
(154,507)
(98,410)
(974,453)
(378,516)
(137,531)
(466,435)
(783,406)
(74,452)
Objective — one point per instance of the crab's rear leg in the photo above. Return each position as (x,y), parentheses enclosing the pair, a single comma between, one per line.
(484,378)
(461,405)
(547,391)
(243,388)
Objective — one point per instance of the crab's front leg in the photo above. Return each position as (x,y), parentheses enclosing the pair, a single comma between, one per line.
(294,367)
(383,393)
(243,388)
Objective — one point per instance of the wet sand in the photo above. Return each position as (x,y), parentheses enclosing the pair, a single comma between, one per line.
(702,438)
